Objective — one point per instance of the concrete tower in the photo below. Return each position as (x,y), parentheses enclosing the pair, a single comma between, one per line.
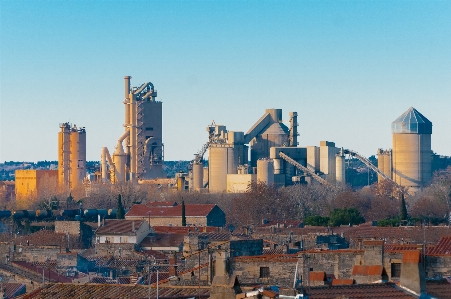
(412,154)
(71,156)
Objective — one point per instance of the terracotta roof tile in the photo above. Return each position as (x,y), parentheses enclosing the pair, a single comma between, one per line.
(162,240)
(191,210)
(97,291)
(443,247)
(440,289)
(119,227)
(359,291)
(342,281)
(181,229)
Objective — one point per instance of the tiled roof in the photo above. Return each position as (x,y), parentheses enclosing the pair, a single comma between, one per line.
(284,223)
(13,289)
(317,276)
(443,247)
(268,258)
(161,204)
(353,234)
(48,274)
(97,291)
(272,251)
(359,291)
(216,236)
(336,282)
(367,270)
(400,247)
(44,238)
(191,210)
(162,240)
(439,288)
(119,227)
(182,229)
(373,242)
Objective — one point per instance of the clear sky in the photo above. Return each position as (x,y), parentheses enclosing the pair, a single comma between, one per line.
(349,68)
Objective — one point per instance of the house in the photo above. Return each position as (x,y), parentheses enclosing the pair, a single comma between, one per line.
(170,214)
(122,231)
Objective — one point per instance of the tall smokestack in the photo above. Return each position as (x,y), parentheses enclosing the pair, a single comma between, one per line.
(127,86)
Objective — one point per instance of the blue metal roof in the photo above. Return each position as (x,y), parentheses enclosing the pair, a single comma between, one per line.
(411,122)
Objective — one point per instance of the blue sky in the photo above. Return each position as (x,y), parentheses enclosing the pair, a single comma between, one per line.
(349,68)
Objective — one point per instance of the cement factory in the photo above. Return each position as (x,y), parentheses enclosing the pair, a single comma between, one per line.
(267,152)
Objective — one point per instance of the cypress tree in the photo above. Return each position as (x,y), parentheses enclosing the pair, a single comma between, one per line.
(403,209)
(183,214)
(120,209)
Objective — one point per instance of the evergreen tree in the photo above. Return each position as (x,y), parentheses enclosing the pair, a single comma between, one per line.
(403,209)
(120,209)
(183,214)
(69,200)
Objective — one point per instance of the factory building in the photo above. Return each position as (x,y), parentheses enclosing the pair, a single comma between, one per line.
(71,156)
(409,162)
(34,183)
(139,151)
(231,168)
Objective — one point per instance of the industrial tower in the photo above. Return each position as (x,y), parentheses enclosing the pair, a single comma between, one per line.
(409,163)
(71,156)
(143,156)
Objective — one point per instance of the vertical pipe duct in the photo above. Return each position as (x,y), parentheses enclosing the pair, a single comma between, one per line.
(133,137)
(293,129)
(127,110)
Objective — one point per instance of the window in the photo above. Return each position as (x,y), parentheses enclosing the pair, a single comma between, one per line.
(264,272)
(396,270)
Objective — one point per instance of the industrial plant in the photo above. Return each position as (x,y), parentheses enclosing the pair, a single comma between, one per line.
(143,156)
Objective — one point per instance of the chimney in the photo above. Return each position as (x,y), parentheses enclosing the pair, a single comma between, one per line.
(412,272)
(172,265)
(103,222)
(133,225)
(98,220)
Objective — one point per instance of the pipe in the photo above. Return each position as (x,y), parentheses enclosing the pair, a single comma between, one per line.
(103,164)
(127,108)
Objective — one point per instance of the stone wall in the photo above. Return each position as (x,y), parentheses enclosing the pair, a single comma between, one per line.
(71,227)
(280,272)
(120,249)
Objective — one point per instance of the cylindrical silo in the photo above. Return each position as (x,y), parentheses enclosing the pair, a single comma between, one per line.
(217,163)
(412,163)
(278,166)
(103,165)
(340,169)
(119,160)
(64,155)
(387,164)
(198,176)
(265,171)
(380,163)
(74,179)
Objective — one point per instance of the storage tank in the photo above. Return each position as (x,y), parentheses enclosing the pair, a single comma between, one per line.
(340,165)
(74,159)
(217,175)
(380,163)
(265,171)
(412,154)
(64,154)
(5,213)
(119,160)
(388,164)
(278,166)
(198,176)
